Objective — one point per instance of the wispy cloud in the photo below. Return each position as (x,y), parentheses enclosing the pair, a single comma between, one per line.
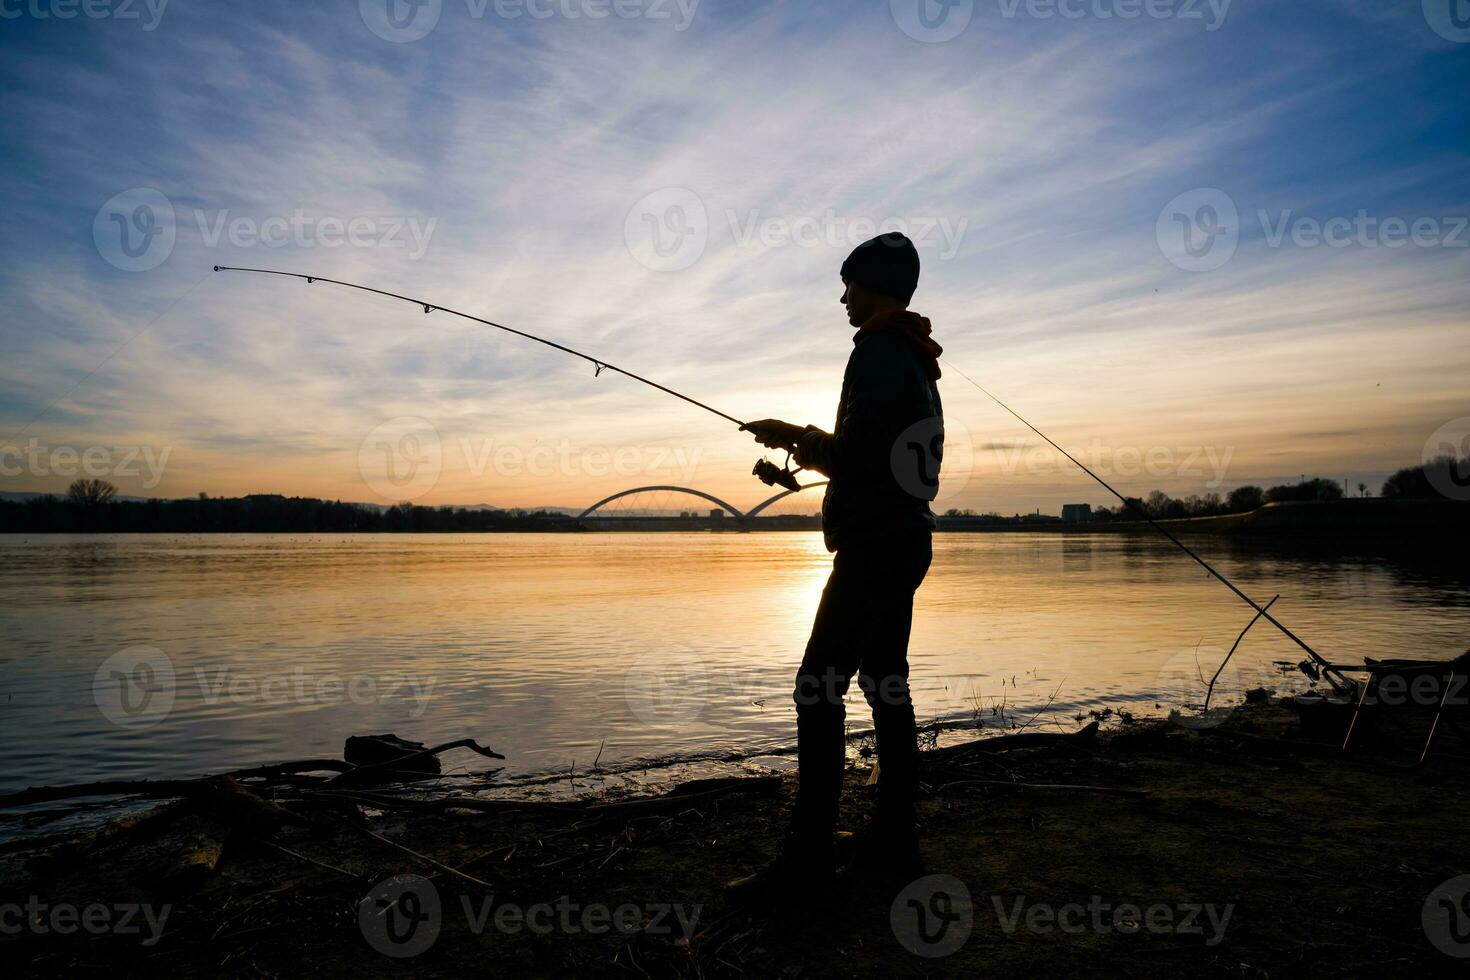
(1036,155)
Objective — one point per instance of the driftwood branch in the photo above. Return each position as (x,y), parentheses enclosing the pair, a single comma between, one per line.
(292,769)
(165,789)
(382,801)
(357,773)
(1021,740)
(158,789)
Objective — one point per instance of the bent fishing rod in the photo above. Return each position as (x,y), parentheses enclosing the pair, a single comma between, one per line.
(597,363)
(768,472)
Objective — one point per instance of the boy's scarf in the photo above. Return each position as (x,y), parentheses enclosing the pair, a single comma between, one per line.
(913,328)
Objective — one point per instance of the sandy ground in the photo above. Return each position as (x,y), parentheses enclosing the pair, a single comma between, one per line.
(1244,851)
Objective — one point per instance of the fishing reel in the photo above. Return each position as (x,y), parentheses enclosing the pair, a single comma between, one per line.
(773,476)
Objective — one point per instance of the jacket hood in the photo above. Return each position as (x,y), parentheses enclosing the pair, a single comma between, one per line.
(912,327)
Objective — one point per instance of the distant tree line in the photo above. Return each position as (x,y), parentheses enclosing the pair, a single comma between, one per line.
(89,505)
(1411,483)
(91,508)
(1421,482)
(1160,506)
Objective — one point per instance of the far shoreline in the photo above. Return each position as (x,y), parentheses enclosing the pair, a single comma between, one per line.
(1420,520)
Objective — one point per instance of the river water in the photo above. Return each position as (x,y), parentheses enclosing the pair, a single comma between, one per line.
(149,656)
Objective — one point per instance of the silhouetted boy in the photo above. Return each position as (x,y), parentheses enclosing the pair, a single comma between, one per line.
(882,459)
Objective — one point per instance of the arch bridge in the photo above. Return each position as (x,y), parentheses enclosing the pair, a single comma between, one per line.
(728,507)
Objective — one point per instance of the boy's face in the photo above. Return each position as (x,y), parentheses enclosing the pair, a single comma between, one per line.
(859,303)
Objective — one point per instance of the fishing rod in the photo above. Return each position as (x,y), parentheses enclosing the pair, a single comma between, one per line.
(768,472)
(1328,670)
(597,363)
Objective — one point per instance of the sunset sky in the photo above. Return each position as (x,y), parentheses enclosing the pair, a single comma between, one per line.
(517,166)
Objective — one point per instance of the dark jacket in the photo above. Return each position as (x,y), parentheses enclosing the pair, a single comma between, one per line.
(882,456)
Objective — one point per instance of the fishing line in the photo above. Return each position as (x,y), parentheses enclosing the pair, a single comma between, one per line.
(1327,669)
(599,364)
